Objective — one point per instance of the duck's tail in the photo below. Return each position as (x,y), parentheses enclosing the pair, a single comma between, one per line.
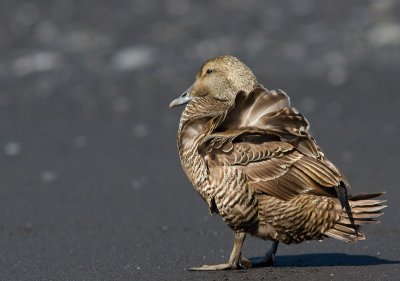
(364,210)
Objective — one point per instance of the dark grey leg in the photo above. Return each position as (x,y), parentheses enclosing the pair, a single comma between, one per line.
(269,258)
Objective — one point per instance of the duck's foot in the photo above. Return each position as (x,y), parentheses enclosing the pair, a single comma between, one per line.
(270,258)
(266,261)
(242,264)
(236,260)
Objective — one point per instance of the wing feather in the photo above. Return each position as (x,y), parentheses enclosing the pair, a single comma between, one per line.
(269,142)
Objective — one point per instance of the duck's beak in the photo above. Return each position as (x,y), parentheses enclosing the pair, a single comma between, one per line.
(182,99)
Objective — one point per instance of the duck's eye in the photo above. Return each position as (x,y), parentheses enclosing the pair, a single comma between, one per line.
(209,71)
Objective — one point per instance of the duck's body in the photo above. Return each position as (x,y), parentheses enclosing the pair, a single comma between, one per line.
(250,156)
(224,188)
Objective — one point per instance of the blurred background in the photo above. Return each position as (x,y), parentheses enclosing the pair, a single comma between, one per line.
(91,187)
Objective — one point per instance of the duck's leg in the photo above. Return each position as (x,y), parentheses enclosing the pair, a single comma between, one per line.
(269,258)
(235,260)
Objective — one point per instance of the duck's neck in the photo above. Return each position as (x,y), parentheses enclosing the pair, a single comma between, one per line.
(200,117)
(193,127)
(196,123)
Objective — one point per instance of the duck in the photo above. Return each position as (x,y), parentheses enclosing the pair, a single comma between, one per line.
(250,156)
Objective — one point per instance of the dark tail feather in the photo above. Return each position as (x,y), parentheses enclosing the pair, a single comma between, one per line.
(343,197)
(364,210)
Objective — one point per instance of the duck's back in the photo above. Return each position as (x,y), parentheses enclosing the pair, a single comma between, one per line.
(257,166)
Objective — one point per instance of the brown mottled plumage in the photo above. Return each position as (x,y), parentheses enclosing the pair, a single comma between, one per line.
(251,157)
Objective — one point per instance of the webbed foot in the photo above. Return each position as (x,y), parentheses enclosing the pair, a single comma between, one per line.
(242,264)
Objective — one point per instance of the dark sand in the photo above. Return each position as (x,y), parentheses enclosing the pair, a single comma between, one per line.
(91,185)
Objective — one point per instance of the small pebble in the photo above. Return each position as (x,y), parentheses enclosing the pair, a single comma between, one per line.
(12,149)
(140,130)
(48,176)
(36,62)
(384,34)
(28,226)
(132,58)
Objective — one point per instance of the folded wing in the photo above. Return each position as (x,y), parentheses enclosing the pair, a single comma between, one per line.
(268,140)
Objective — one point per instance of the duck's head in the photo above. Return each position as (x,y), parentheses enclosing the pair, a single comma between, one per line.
(219,79)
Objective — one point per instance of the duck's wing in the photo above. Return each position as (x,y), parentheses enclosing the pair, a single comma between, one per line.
(266,110)
(268,140)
